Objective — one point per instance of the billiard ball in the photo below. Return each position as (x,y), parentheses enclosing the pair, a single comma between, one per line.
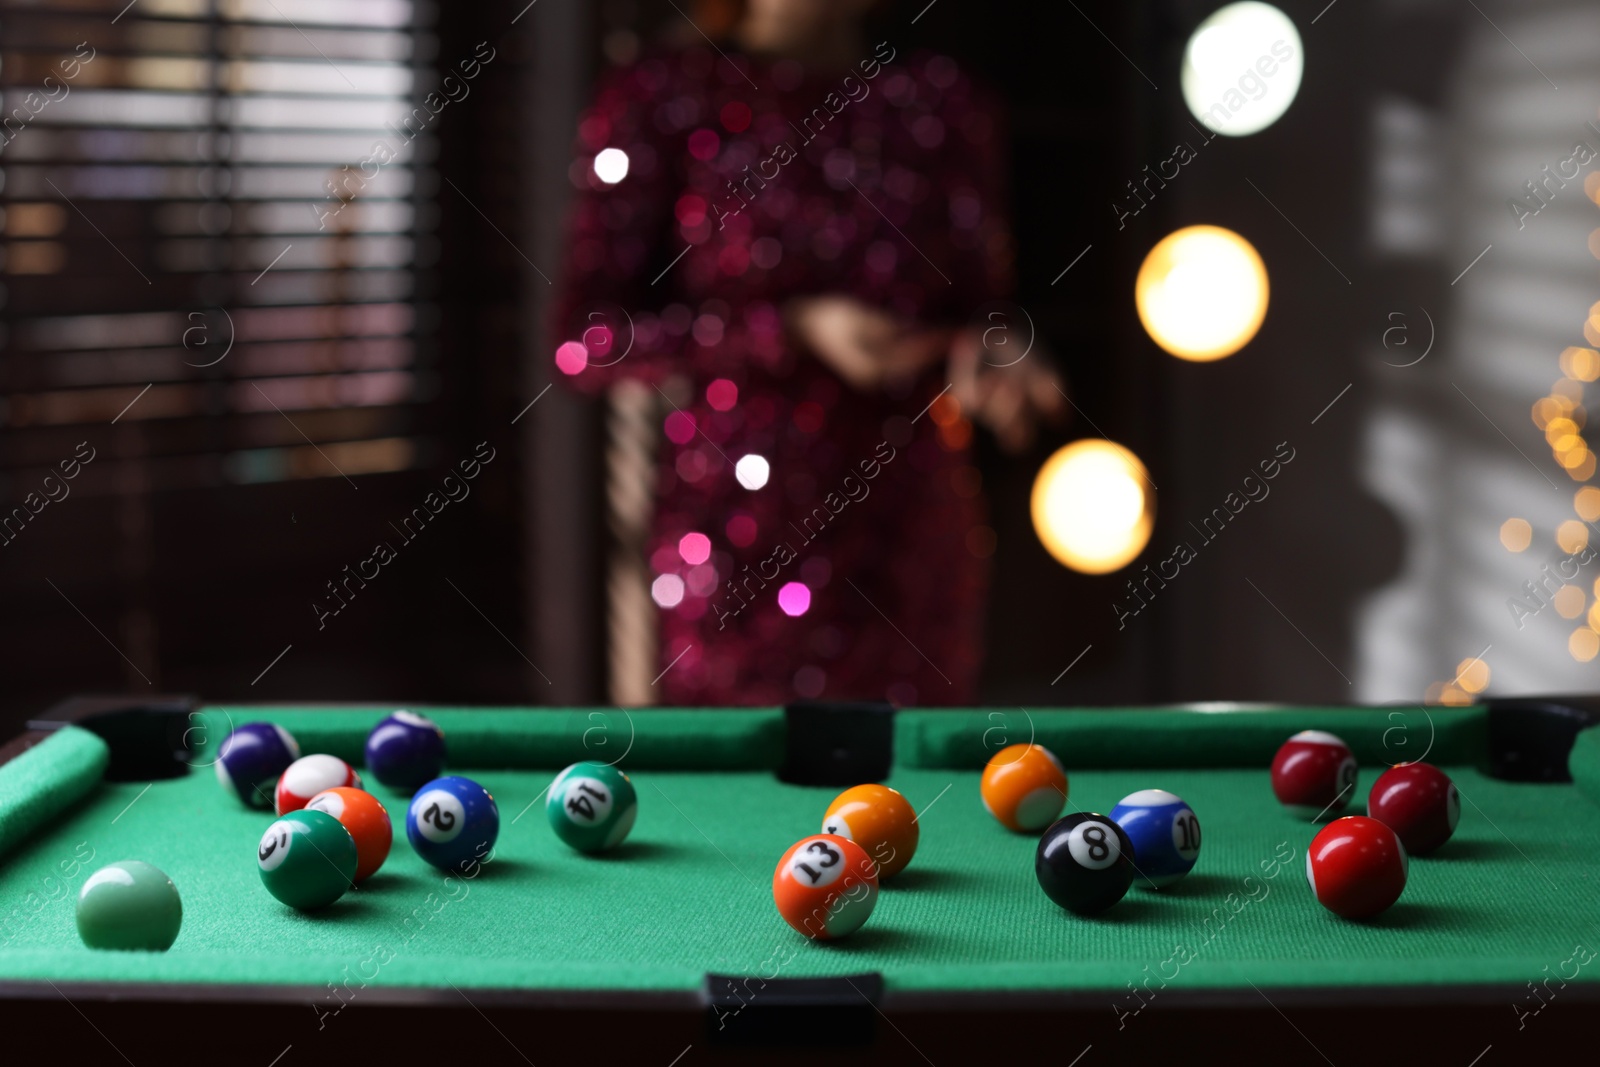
(453,823)
(1084,862)
(307,859)
(252,758)
(1024,787)
(310,775)
(405,750)
(1165,834)
(1419,803)
(1356,867)
(129,905)
(878,819)
(1314,773)
(825,886)
(592,806)
(367,820)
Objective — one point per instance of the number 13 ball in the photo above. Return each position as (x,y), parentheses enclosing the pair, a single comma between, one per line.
(1084,863)
(592,806)
(1164,832)
(825,886)
(453,822)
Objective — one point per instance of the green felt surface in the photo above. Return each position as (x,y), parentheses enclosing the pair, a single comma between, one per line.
(690,892)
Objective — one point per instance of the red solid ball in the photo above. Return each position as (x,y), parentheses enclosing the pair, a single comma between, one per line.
(1419,802)
(1356,867)
(1314,773)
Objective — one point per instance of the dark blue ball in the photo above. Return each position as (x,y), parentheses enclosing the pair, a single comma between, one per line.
(405,750)
(253,758)
(1165,835)
(453,823)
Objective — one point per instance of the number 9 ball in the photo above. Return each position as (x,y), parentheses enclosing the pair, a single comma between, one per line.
(825,886)
(452,823)
(592,806)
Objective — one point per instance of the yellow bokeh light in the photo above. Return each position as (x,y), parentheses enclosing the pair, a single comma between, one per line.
(1567,390)
(1572,536)
(1455,696)
(1594,615)
(1569,601)
(1202,293)
(1472,675)
(1545,409)
(1559,427)
(1580,363)
(1584,470)
(1092,506)
(1516,534)
(1584,645)
(1433,693)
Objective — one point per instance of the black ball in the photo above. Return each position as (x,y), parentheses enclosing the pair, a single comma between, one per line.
(1085,862)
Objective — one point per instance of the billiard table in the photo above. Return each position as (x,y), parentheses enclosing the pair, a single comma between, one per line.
(670,945)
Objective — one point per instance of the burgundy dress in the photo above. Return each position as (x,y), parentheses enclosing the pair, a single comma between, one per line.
(809,540)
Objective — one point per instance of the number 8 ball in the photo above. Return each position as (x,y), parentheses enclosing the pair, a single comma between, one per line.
(1084,863)
(452,823)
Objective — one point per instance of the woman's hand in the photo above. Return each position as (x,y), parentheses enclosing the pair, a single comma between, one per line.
(1010,400)
(867,347)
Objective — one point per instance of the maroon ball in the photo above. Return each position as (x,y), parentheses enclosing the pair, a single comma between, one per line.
(1356,867)
(1314,772)
(1419,802)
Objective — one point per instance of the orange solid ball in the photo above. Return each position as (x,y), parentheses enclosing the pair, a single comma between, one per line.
(367,820)
(878,819)
(825,886)
(1024,787)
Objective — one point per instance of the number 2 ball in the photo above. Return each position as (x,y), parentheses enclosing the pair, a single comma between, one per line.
(1314,773)
(1084,863)
(1165,833)
(1356,867)
(878,819)
(405,750)
(825,886)
(592,806)
(1024,787)
(453,823)
(1418,802)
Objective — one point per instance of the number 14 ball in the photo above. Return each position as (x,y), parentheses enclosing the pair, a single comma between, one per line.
(592,806)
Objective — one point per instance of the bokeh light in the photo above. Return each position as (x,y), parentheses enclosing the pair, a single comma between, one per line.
(572,357)
(1092,506)
(694,547)
(1586,502)
(1572,536)
(1242,68)
(1569,601)
(667,590)
(1516,534)
(794,598)
(1202,293)
(1584,645)
(1582,364)
(752,471)
(611,165)
(1472,675)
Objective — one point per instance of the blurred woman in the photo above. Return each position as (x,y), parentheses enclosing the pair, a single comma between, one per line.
(791,236)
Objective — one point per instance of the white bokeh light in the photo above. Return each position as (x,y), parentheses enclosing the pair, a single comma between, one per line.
(1242,68)
(667,590)
(611,165)
(752,471)
(1202,293)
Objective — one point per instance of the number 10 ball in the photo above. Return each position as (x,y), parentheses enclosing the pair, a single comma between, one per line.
(452,823)
(592,806)
(1165,835)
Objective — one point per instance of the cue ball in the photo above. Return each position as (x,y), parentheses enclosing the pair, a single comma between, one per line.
(1024,787)
(1314,773)
(405,750)
(1356,867)
(825,886)
(253,758)
(1419,803)
(1084,862)
(1165,833)
(367,820)
(310,775)
(878,819)
(453,823)
(592,806)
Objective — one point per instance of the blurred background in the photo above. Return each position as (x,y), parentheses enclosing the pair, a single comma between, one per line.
(240,343)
